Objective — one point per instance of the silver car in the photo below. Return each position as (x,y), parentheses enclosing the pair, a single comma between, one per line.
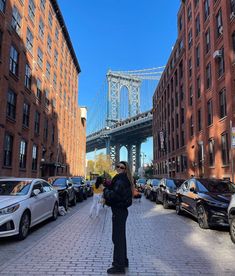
(231,217)
(25,202)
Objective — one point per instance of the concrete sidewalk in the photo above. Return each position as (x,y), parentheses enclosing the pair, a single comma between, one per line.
(159,243)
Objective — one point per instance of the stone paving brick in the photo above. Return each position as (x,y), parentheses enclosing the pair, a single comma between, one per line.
(160,243)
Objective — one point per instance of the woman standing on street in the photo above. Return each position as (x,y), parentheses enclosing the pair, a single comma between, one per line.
(98,191)
(119,196)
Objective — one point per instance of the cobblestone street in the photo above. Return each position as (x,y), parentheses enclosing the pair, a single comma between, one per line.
(159,243)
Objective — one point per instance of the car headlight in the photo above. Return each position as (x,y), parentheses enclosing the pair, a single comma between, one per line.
(9,209)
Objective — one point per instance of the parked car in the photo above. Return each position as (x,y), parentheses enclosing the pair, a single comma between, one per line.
(206,199)
(89,184)
(140,184)
(231,218)
(151,188)
(25,202)
(79,187)
(166,191)
(65,188)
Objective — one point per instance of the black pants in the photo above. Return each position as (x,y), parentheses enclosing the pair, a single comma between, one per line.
(119,237)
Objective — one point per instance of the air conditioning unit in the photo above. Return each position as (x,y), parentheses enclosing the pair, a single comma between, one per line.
(221,29)
(232,15)
(217,54)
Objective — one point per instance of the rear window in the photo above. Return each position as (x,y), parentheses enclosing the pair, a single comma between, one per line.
(155,182)
(59,182)
(141,181)
(14,188)
(77,180)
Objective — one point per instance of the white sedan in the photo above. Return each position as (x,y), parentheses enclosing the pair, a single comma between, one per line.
(25,202)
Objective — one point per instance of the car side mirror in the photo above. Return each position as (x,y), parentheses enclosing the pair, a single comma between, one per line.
(36,192)
(192,189)
(162,186)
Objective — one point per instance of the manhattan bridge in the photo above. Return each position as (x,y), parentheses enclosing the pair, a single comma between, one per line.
(121,114)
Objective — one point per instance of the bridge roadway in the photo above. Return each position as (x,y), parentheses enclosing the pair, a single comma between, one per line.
(123,132)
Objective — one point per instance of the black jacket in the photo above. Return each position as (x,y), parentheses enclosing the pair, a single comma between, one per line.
(119,193)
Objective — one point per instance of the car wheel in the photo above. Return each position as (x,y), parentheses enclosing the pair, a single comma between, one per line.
(157,201)
(55,212)
(202,217)
(151,197)
(165,203)
(74,201)
(85,196)
(66,202)
(232,229)
(24,226)
(178,207)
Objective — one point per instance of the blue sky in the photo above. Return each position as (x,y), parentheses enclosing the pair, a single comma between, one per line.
(119,35)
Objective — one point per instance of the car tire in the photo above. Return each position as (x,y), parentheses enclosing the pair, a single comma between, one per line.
(66,202)
(55,212)
(178,207)
(232,229)
(24,226)
(202,217)
(165,203)
(157,201)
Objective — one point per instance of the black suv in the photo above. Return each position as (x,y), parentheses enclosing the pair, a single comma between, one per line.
(65,188)
(79,187)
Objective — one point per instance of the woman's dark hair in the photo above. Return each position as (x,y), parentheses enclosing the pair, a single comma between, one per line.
(99,181)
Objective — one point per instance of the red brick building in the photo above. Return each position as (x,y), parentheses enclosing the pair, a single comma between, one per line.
(195,98)
(42,129)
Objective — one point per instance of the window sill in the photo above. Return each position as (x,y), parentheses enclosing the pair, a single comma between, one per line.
(12,120)
(225,166)
(7,167)
(25,127)
(22,169)
(222,119)
(15,77)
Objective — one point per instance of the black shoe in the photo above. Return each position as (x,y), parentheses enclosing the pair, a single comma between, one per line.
(116,270)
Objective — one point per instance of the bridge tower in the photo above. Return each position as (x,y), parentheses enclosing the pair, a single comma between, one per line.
(116,81)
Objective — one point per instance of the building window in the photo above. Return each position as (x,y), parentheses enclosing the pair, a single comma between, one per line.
(56,34)
(225,150)
(28,77)
(47,101)
(2,5)
(16,20)
(55,80)
(196,3)
(34,157)
(221,63)
(198,87)
(190,67)
(190,38)
(189,12)
(55,58)
(8,149)
(41,28)
(1,39)
(180,23)
(53,135)
(182,115)
(207,40)
(197,25)
(23,154)
(222,103)
(40,57)
(211,152)
(198,55)
(48,70)
(11,104)
(29,41)
(232,4)
(233,42)
(50,19)
(182,139)
(190,96)
(191,125)
(210,112)
(42,5)
(199,118)
(37,123)
(31,10)
(14,61)
(219,23)
(45,130)
(206,9)
(208,76)
(49,42)
(39,89)
(26,111)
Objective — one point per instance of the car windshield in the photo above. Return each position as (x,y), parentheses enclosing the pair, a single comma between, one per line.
(155,182)
(174,183)
(77,180)
(141,181)
(59,182)
(215,186)
(14,188)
